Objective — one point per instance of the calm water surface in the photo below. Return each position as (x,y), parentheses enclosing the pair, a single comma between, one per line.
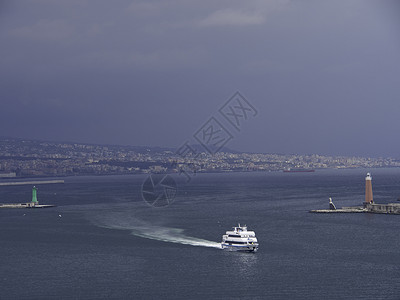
(102,241)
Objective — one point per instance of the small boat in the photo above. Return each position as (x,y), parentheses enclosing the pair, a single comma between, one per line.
(240,239)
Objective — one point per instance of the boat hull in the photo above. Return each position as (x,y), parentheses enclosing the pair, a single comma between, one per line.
(242,248)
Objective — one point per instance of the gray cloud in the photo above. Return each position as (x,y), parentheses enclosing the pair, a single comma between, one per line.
(57,30)
(150,72)
(230,17)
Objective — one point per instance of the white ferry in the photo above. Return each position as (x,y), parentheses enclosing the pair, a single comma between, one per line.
(239,239)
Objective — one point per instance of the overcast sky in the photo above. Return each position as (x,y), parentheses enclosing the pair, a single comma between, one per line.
(324,76)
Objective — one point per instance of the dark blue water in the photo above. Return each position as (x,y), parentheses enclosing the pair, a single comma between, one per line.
(109,244)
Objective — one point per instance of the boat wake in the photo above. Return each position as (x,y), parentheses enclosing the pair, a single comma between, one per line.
(173,235)
(153,232)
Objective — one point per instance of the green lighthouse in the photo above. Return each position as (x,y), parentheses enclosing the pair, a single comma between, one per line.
(34,197)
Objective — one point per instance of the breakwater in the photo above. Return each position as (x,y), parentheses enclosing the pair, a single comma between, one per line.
(31,182)
(356,209)
(390,208)
(25,205)
(374,208)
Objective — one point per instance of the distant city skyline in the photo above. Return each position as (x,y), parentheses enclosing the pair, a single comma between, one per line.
(30,158)
(323,76)
(198,147)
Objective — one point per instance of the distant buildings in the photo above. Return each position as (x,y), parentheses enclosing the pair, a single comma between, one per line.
(8,175)
(27,158)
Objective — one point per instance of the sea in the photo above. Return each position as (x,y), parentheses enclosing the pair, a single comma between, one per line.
(103,241)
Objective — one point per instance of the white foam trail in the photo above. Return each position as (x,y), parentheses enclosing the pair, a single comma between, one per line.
(173,235)
(159,233)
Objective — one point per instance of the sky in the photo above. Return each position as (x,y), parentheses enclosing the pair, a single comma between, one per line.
(323,77)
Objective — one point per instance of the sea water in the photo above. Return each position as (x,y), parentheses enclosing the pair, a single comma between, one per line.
(102,241)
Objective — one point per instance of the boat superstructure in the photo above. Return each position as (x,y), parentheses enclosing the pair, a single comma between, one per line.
(240,239)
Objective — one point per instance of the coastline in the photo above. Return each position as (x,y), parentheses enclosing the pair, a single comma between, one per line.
(31,182)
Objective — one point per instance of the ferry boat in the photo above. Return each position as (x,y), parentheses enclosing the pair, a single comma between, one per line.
(240,239)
